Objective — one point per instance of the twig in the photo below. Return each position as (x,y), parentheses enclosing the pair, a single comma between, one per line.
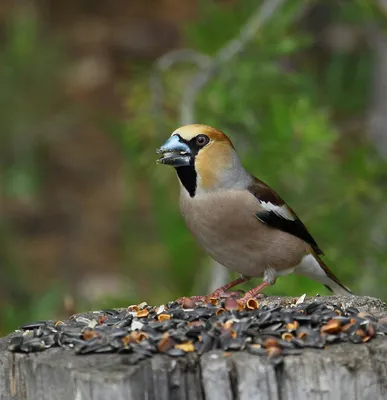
(165,62)
(382,5)
(377,132)
(235,46)
(208,67)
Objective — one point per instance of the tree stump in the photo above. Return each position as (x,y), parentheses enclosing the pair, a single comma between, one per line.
(341,371)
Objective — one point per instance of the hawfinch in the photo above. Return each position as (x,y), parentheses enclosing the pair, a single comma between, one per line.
(240,221)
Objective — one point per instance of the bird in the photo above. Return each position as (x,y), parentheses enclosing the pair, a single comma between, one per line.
(240,221)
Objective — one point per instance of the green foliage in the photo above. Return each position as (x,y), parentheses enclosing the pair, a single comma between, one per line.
(286,105)
(30,67)
(284,122)
(29,79)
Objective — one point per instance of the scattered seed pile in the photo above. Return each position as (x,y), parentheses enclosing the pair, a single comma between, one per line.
(174,329)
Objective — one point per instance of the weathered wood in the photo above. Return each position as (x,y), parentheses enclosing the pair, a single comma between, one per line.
(344,371)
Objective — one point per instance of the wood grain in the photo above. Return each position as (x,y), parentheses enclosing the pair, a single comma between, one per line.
(343,371)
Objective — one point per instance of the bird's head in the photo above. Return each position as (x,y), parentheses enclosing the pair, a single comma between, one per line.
(204,158)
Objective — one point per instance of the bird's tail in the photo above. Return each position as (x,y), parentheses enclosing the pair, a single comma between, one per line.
(334,285)
(313,267)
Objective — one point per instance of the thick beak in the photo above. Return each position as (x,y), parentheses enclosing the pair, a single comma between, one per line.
(174,153)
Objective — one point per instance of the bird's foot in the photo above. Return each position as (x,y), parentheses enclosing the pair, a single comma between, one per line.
(244,300)
(189,302)
(213,298)
(255,293)
(222,294)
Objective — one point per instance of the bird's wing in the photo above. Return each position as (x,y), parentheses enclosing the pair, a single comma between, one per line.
(278,214)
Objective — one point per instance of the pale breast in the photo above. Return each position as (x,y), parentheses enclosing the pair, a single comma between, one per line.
(225,225)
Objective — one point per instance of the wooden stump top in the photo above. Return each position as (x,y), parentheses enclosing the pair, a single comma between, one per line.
(341,371)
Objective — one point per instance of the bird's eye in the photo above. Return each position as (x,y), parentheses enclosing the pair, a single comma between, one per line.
(202,140)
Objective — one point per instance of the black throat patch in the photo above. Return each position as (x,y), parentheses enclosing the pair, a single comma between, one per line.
(188,178)
(187,175)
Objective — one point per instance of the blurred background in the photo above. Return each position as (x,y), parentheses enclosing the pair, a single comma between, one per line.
(90,89)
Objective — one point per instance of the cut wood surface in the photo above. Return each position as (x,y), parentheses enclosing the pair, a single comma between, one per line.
(341,371)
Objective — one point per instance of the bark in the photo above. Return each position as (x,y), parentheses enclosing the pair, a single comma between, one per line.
(343,371)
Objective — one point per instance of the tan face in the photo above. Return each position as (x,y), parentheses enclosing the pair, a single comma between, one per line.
(188,132)
(202,147)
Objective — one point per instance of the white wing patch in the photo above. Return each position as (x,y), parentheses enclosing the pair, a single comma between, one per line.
(281,211)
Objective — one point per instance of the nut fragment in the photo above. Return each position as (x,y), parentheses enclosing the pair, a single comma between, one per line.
(333,326)
(292,326)
(142,305)
(139,336)
(220,311)
(212,300)
(287,336)
(187,347)
(364,315)
(345,327)
(101,319)
(270,342)
(231,304)
(274,351)
(142,313)
(361,333)
(187,303)
(371,330)
(228,324)
(165,343)
(252,304)
(126,340)
(302,333)
(163,317)
(89,334)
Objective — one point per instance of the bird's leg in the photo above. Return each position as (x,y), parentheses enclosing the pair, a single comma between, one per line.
(269,279)
(253,293)
(220,292)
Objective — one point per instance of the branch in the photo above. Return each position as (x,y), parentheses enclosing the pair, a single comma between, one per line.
(167,61)
(234,47)
(208,67)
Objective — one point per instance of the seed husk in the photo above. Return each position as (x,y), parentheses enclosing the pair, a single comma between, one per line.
(163,317)
(231,304)
(366,338)
(274,351)
(287,336)
(187,303)
(270,342)
(187,347)
(165,343)
(142,313)
(361,333)
(333,326)
(101,319)
(138,336)
(292,326)
(179,328)
(252,304)
(33,325)
(89,334)
(213,300)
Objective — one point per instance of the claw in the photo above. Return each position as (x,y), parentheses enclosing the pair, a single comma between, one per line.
(248,296)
